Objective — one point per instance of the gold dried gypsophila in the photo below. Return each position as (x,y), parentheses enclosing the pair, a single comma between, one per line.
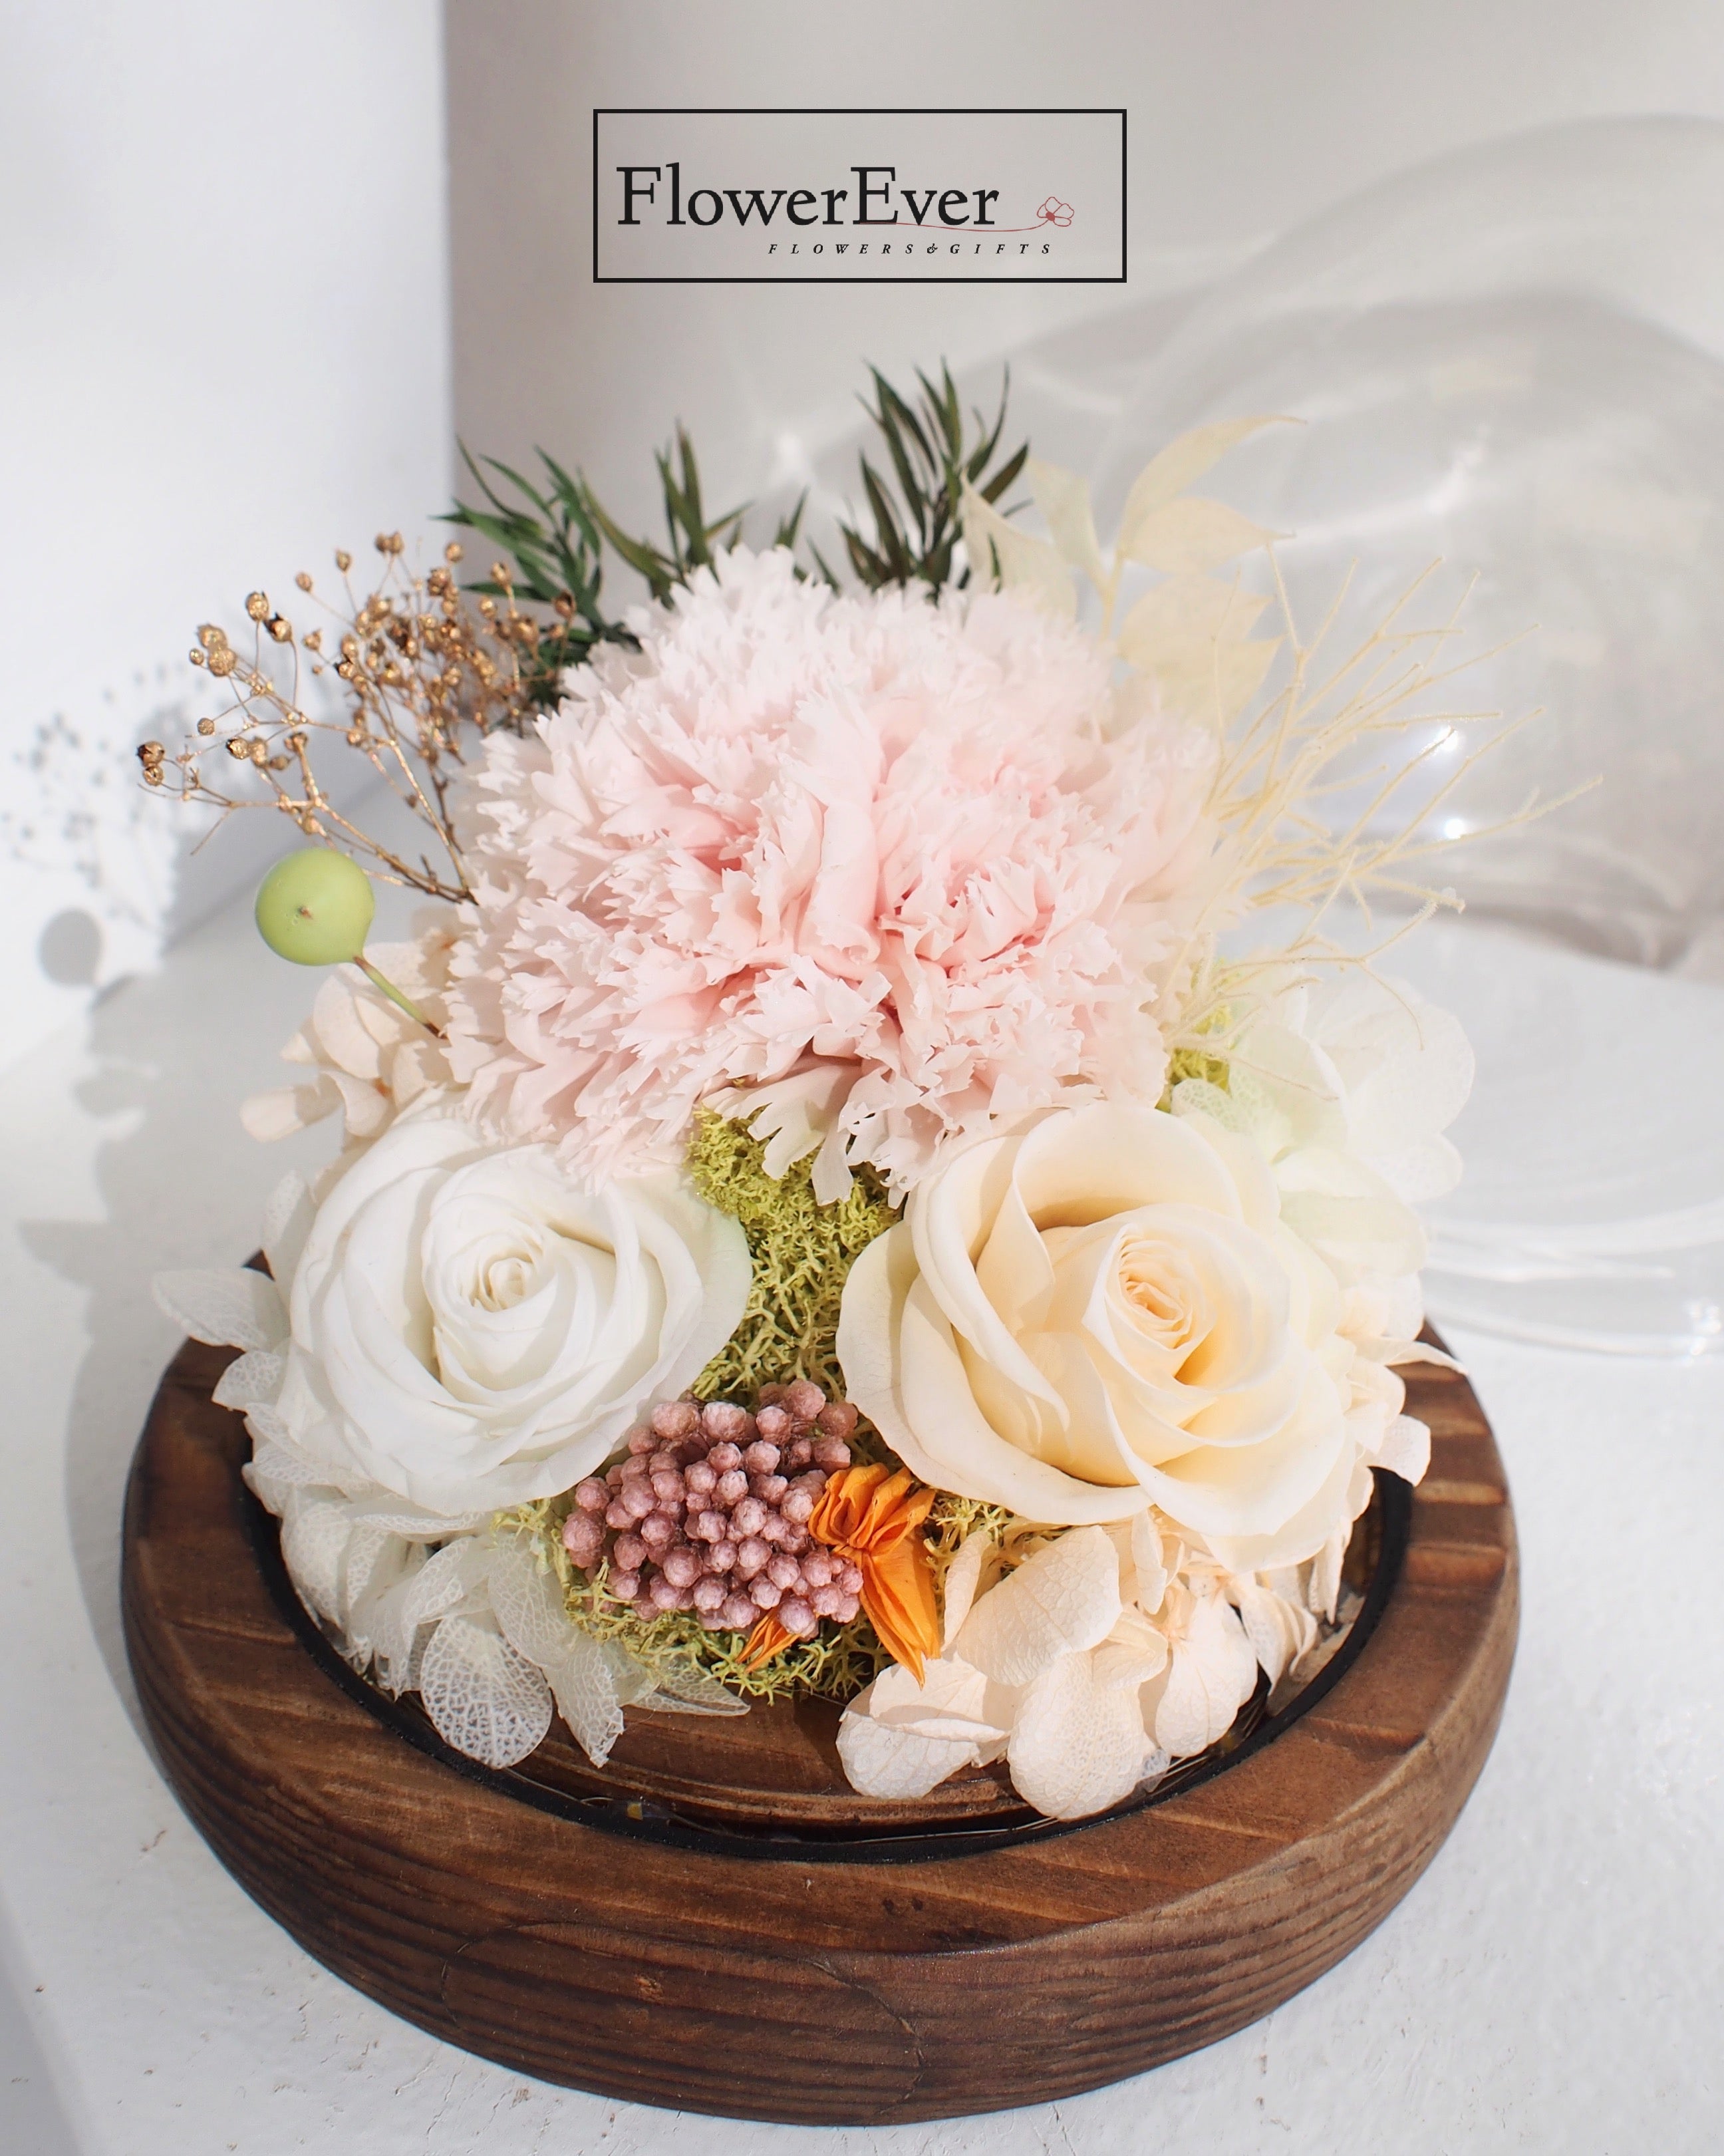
(421,666)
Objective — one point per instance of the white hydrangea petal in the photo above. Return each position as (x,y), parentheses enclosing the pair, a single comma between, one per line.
(1213,1673)
(1134,1653)
(268,1426)
(1323,1589)
(251,1380)
(368,1108)
(283,1111)
(366,1565)
(881,1761)
(1420,1172)
(391,1563)
(1410,1351)
(1064,1600)
(444,1583)
(1196,1096)
(417,1524)
(584,1685)
(691,1690)
(315,1533)
(1078,1746)
(529,1605)
(633,1680)
(482,1696)
(390,1625)
(1406,1448)
(1280,1630)
(229,1308)
(1149,1565)
(272,1496)
(953,1701)
(416,1068)
(287,1221)
(964,1577)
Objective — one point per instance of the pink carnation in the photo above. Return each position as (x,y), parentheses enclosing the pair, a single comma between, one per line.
(867,871)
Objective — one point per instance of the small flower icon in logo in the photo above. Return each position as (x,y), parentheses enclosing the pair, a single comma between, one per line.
(1052,211)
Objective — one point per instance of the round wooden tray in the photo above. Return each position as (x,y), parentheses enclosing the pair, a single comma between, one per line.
(717,1923)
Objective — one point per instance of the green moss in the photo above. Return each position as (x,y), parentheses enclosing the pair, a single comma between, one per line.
(1190,1062)
(951,1522)
(802,1253)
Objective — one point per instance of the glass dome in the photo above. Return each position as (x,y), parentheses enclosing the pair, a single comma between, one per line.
(1512,361)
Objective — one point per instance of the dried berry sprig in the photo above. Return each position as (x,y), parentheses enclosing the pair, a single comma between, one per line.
(422,669)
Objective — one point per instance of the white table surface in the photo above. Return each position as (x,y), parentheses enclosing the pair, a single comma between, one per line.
(1555,1982)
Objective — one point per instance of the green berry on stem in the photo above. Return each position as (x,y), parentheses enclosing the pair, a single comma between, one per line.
(316,907)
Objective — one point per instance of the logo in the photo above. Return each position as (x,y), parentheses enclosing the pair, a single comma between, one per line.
(858,196)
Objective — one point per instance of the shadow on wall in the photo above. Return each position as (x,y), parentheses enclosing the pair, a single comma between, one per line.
(163,1062)
(70,949)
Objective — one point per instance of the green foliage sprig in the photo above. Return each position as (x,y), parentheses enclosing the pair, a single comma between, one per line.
(557,544)
(932,461)
(555,533)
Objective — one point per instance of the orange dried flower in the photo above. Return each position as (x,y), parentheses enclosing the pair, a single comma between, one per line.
(870,1516)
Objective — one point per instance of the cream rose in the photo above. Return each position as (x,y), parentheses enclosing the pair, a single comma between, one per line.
(469,1331)
(1102,1308)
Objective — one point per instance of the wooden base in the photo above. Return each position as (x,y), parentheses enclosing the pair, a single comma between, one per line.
(745,1935)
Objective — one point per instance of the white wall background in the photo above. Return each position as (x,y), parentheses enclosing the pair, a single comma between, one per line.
(224,349)
(1245,116)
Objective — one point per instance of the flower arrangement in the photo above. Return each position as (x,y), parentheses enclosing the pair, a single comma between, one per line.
(877,1181)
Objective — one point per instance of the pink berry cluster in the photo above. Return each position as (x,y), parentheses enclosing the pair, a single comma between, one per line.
(709,1512)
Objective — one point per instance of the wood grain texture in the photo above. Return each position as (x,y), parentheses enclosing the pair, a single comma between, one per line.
(765,1984)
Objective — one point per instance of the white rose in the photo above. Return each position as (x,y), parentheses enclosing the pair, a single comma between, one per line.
(1101,1308)
(469,1331)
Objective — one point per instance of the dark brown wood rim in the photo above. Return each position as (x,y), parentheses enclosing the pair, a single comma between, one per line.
(828,1987)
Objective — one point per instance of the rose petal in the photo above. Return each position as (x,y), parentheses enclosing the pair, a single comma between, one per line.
(889,1340)
(472,1331)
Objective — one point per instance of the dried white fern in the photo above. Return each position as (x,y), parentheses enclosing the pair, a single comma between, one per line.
(1286,752)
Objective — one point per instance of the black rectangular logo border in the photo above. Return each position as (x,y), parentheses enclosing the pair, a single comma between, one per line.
(852,112)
